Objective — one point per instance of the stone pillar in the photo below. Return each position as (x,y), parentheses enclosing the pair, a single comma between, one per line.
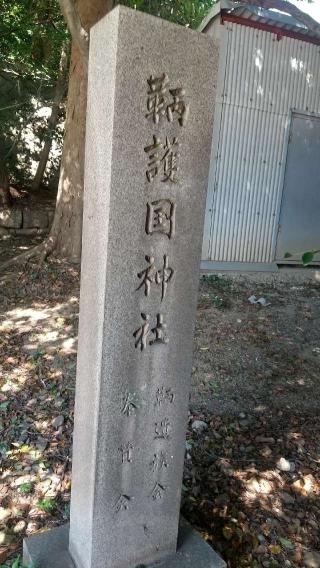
(149,127)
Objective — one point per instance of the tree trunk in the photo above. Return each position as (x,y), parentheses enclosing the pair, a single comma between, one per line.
(5,200)
(53,119)
(65,236)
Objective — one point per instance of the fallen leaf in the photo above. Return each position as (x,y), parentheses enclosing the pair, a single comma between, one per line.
(286,543)
(274,548)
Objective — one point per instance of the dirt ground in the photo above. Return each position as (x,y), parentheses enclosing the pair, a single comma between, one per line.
(251,480)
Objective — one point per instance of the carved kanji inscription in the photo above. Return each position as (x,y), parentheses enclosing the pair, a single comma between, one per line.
(178,106)
(161,217)
(165,103)
(164,395)
(159,331)
(130,403)
(151,275)
(159,462)
(162,429)
(126,451)
(156,103)
(158,492)
(163,158)
(122,503)
(142,333)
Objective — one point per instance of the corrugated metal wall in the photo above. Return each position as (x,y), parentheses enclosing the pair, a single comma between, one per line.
(263,79)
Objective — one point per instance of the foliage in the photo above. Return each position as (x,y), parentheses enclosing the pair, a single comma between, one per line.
(185,12)
(31,36)
(307,257)
(218,290)
(16,563)
(25,487)
(218,282)
(47,505)
(188,13)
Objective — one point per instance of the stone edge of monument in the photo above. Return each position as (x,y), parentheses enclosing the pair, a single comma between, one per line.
(105,494)
(192,552)
(49,549)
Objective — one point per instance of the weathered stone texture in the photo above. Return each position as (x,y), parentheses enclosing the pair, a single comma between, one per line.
(35,218)
(50,550)
(149,127)
(127,48)
(11,218)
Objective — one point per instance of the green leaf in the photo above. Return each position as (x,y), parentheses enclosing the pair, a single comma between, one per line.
(287,255)
(16,563)
(47,505)
(286,543)
(308,256)
(25,487)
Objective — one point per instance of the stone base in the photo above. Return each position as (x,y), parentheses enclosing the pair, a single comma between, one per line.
(50,550)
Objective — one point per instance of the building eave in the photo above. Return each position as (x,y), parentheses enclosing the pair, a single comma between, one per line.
(246,14)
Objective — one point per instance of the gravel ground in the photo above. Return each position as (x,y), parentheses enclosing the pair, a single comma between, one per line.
(251,480)
(250,356)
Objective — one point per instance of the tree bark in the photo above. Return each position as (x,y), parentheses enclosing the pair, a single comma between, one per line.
(79,35)
(5,200)
(65,236)
(53,119)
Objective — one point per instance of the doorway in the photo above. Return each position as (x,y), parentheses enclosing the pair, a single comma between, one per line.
(299,228)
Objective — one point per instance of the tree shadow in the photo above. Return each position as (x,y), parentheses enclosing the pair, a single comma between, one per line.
(235,492)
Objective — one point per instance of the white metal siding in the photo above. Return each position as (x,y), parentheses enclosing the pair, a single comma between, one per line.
(264,79)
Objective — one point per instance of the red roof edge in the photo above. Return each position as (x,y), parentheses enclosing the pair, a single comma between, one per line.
(279,32)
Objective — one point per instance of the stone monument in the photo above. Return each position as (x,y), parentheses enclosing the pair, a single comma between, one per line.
(149,126)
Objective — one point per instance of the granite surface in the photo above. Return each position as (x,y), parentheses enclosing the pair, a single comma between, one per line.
(149,127)
(50,550)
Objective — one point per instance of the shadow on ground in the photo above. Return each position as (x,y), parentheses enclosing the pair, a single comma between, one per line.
(251,480)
